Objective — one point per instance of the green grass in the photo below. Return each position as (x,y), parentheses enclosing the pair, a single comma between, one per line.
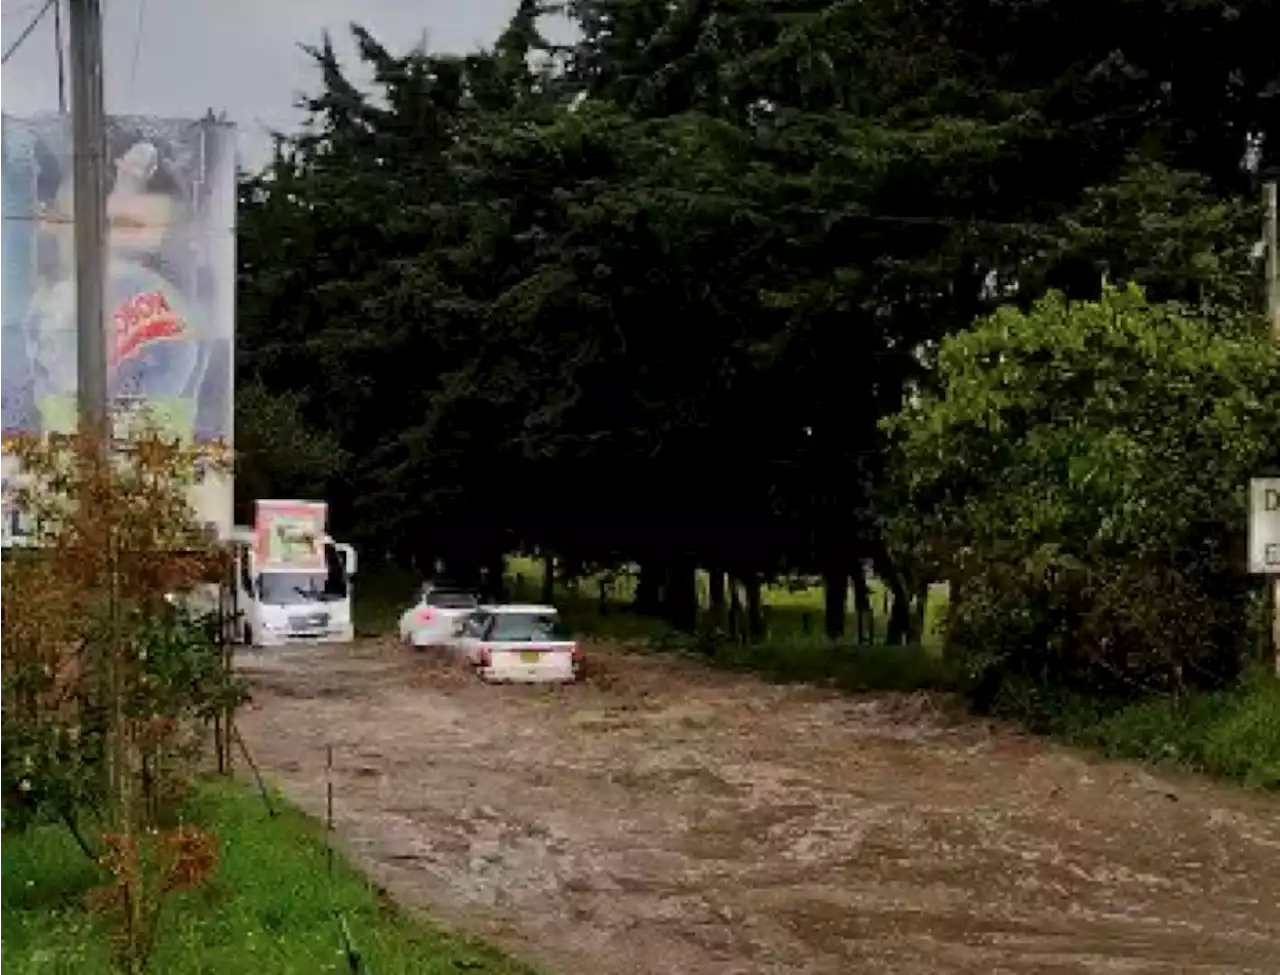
(268,909)
(1232,734)
(848,667)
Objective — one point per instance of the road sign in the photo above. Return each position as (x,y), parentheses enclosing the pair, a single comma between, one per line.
(1264,525)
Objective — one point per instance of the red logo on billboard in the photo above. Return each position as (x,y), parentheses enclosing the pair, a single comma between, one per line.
(145,318)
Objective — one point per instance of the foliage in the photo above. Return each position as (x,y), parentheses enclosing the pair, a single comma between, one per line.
(646,299)
(107,687)
(278,454)
(1081,475)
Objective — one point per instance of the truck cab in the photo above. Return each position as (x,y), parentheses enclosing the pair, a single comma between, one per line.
(279,608)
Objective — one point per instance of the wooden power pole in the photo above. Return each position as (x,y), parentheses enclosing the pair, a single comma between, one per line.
(88,121)
(1273,315)
(89,184)
(58,58)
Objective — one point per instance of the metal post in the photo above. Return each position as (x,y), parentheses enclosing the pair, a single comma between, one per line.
(1273,315)
(89,137)
(57,53)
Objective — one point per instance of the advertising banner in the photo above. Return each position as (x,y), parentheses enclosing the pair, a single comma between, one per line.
(288,536)
(170,288)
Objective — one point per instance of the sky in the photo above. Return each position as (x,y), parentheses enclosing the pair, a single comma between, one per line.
(179,58)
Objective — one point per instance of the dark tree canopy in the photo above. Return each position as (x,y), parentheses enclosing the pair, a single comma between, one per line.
(648,298)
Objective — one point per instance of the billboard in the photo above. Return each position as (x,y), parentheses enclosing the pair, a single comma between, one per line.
(288,536)
(170,286)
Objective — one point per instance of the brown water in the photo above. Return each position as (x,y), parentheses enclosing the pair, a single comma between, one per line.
(664,818)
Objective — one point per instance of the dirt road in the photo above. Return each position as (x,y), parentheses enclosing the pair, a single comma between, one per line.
(662,818)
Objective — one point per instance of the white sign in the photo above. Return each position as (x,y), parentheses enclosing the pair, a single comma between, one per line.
(1264,525)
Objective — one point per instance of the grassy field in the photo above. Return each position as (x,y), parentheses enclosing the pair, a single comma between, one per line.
(270,908)
(794,647)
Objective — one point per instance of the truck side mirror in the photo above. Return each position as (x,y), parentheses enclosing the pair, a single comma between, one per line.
(348,558)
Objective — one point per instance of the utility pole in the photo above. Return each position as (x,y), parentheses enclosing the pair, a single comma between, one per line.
(89,143)
(1273,316)
(88,122)
(57,54)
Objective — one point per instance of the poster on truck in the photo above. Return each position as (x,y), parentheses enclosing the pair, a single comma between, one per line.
(289,536)
(170,285)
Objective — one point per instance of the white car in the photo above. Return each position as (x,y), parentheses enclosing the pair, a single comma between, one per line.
(432,620)
(525,644)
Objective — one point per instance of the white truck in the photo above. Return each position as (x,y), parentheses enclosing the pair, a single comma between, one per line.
(276,608)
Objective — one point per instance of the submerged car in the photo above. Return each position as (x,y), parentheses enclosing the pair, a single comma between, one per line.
(524,644)
(432,620)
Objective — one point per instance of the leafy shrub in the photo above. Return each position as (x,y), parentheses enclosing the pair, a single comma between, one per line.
(108,689)
(1080,475)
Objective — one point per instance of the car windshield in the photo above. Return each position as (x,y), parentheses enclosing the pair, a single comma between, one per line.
(450,599)
(520,627)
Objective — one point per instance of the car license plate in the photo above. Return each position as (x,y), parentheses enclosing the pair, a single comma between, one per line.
(530,656)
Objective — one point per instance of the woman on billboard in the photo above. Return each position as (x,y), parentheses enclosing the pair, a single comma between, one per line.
(153,340)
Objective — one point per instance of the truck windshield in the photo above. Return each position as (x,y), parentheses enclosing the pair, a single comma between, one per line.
(292,588)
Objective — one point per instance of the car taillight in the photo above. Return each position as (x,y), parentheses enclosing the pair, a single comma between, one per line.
(577,653)
(424,615)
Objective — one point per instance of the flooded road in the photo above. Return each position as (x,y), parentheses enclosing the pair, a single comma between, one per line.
(665,818)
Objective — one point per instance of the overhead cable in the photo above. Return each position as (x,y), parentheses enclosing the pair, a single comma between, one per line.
(35,22)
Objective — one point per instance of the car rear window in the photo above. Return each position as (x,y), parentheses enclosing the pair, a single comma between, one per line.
(452,599)
(520,627)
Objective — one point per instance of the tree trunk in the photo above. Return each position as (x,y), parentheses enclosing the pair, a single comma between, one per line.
(919,604)
(900,605)
(866,615)
(649,589)
(955,597)
(899,613)
(738,629)
(680,602)
(715,597)
(548,578)
(755,607)
(495,570)
(835,583)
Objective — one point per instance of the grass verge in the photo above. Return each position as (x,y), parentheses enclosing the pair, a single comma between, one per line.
(1232,734)
(269,908)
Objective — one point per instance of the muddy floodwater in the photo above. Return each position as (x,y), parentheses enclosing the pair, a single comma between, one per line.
(665,818)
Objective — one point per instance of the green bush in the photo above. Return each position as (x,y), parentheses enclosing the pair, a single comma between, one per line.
(1080,475)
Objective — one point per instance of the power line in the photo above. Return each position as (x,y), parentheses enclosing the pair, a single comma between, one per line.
(35,21)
